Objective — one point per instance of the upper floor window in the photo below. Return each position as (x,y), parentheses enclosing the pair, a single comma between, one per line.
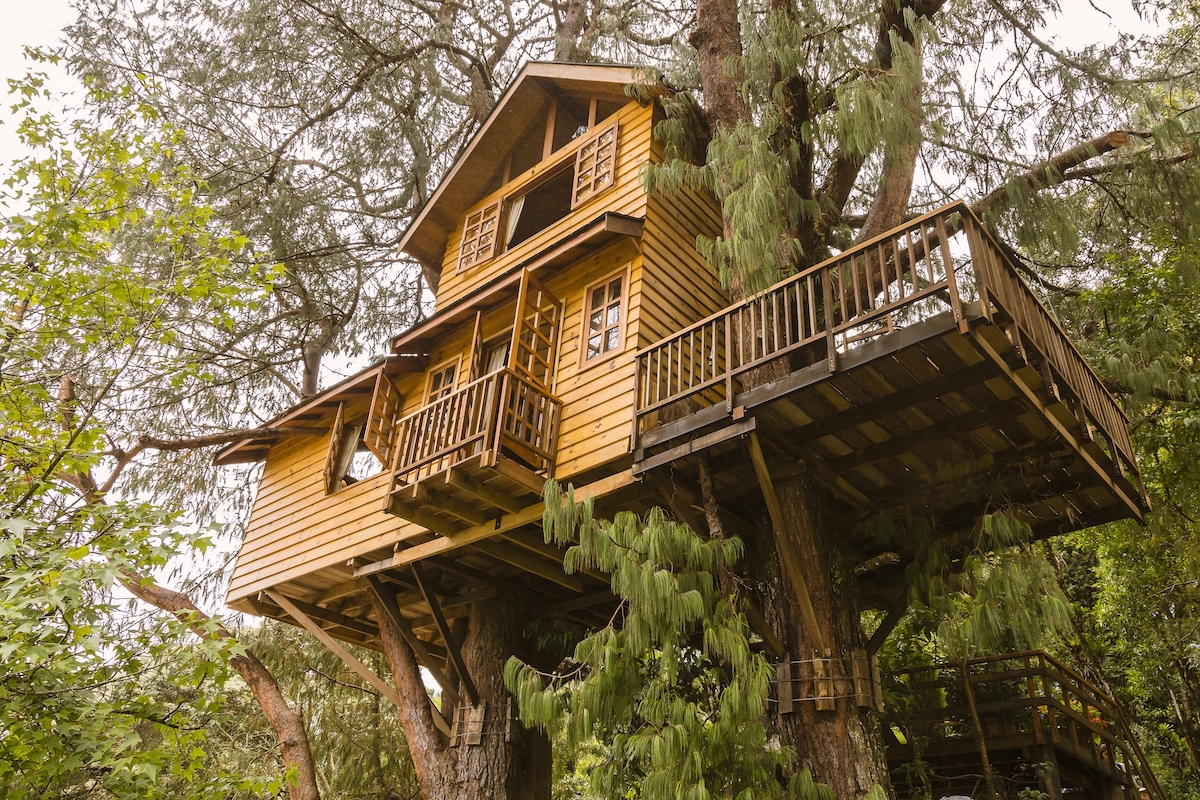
(349,459)
(542,201)
(594,164)
(605,315)
(441,381)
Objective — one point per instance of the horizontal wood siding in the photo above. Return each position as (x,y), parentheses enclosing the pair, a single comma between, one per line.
(597,415)
(296,530)
(626,197)
(679,285)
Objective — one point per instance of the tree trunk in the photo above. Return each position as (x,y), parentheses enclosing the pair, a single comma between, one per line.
(494,768)
(843,747)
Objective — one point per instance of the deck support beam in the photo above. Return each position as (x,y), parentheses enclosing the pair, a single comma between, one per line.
(453,652)
(350,661)
(791,559)
(528,515)
(388,600)
(1033,399)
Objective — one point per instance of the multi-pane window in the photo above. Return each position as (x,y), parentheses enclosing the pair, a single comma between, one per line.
(594,165)
(480,236)
(604,315)
(441,382)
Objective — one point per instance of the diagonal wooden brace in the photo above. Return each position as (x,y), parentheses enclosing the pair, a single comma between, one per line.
(388,599)
(791,559)
(353,663)
(454,653)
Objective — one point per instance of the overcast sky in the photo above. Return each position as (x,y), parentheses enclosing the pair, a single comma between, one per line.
(38,22)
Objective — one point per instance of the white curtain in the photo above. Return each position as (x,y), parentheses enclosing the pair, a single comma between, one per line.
(514,216)
(349,448)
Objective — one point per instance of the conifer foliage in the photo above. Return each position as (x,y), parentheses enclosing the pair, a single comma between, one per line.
(671,688)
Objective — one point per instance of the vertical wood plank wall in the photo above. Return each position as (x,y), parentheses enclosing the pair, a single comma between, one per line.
(302,538)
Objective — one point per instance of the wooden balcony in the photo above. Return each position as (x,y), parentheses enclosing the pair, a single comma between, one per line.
(484,450)
(1025,710)
(915,372)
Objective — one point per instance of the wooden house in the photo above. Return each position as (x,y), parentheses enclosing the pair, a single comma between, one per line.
(578,335)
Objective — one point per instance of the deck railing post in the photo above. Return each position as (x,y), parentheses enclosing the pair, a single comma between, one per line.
(951,281)
(728,362)
(830,341)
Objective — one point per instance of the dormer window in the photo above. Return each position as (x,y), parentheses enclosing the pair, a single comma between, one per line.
(587,170)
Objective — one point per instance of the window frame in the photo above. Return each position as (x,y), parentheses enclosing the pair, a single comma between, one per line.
(568,157)
(622,320)
(336,449)
(494,211)
(456,361)
(614,129)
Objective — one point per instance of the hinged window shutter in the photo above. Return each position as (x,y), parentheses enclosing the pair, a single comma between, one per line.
(595,165)
(480,233)
(381,420)
(335,446)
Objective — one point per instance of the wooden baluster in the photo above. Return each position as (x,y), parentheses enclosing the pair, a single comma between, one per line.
(830,344)
(725,321)
(858,309)
(951,282)
(812,309)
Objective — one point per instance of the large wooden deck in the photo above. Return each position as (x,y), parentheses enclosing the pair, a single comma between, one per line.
(1042,725)
(914,374)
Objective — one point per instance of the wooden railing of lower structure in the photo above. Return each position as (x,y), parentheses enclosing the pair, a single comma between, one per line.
(942,260)
(500,412)
(1029,694)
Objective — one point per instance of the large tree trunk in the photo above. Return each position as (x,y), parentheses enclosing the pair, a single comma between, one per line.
(493,769)
(843,747)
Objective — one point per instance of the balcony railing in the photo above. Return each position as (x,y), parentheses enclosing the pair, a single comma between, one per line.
(938,262)
(1012,699)
(503,413)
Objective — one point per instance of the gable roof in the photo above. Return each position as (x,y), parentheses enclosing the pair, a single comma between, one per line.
(465,183)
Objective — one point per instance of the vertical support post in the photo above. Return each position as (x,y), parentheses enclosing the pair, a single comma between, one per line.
(1049,781)
(951,281)
(637,404)
(791,559)
(978,262)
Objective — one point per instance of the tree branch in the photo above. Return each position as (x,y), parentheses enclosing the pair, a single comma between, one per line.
(1050,172)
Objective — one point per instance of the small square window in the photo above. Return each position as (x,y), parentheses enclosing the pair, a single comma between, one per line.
(605,316)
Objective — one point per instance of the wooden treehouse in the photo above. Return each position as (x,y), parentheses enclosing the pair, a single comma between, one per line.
(578,335)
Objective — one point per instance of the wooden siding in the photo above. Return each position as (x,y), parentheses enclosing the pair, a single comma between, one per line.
(627,197)
(302,538)
(597,415)
(680,287)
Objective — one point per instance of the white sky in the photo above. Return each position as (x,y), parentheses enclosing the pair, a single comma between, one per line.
(38,23)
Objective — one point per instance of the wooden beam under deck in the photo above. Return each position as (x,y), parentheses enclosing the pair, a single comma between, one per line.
(508,522)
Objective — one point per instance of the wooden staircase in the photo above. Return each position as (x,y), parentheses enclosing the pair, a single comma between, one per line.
(1042,726)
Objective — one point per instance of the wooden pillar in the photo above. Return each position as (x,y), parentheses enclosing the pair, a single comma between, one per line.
(537,773)
(1049,781)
